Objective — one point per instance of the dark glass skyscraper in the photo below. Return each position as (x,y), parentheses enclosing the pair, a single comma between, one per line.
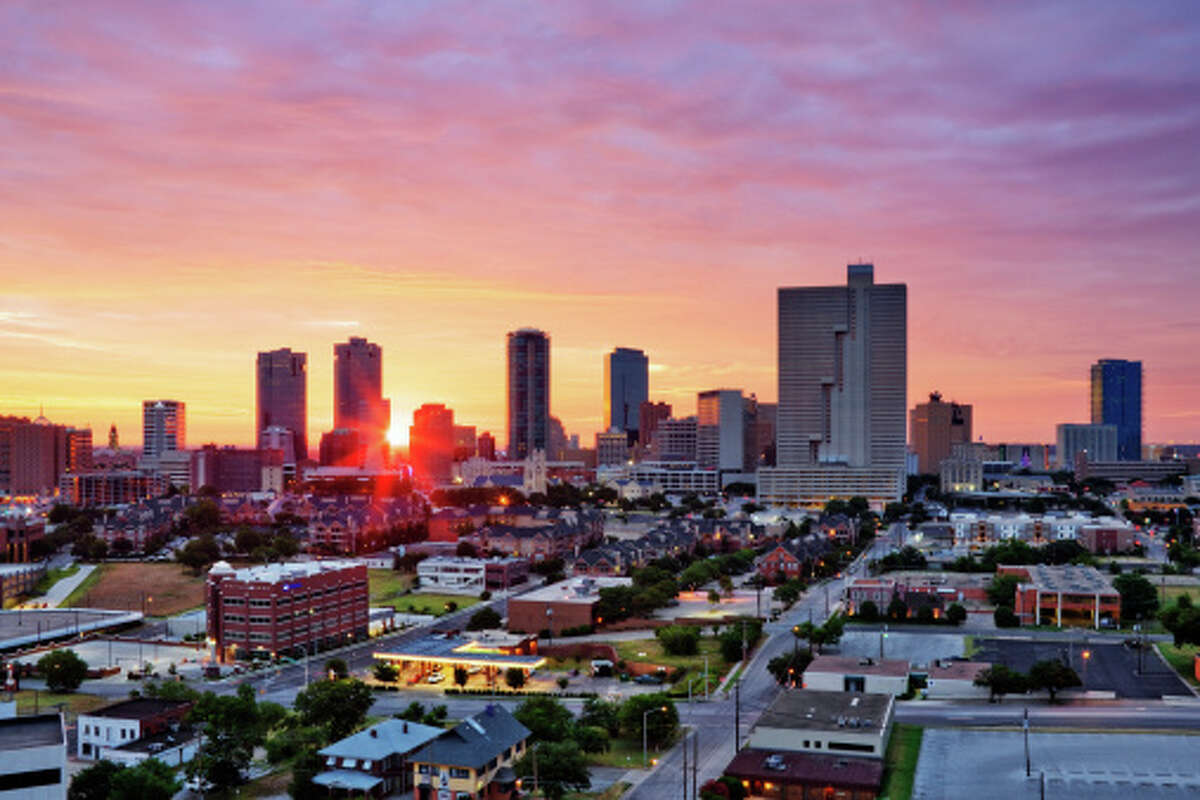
(1117,400)
(528,392)
(358,402)
(282,396)
(626,387)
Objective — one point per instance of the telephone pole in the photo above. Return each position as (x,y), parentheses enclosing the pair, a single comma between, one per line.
(737,716)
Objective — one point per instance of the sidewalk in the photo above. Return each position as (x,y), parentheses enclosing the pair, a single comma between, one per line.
(59,591)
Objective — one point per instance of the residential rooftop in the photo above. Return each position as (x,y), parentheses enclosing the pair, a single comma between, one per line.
(475,741)
(139,708)
(809,709)
(792,767)
(390,737)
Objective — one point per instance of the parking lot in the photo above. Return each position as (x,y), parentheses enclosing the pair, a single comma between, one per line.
(1109,667)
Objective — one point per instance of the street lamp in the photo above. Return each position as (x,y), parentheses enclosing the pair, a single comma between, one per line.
(1087,656)
(645,715)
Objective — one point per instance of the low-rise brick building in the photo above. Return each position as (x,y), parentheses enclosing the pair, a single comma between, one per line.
(285,608)
(1067,595)
(566,604)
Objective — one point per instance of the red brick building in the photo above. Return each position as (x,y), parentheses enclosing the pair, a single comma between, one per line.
(285,609)
(1067,595)
(566,604)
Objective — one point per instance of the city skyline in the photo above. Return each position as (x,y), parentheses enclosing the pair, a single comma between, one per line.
(626,175)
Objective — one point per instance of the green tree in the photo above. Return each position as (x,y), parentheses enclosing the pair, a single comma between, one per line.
(562,767)
(868,611)
(1000,680)
(1139,600)
(1002,591)
(337,668)
(591,738)
(306,766)
(198,553)
(1005,617)
(956,614)
(897,610)
(63,670)
(789,666)
(247,540)
(1052,675)
(94,782)
(679,640)
(461,676)
(386,672)
(293,740)
(413,713)
(231,729)
(1183,621)
(731,639)
(514,677)
(339,706)
(660,725)
(601,714)
(149,780)
(548,720)
(484,619)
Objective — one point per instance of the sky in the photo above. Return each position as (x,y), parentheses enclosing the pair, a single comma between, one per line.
(184,184)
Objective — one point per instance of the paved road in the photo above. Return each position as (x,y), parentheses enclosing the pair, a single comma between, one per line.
(1113,715)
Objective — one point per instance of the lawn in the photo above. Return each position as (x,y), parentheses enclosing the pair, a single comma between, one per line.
(900,763)
(1181,659)
(75,703)
(385,585)
(1173,593)
(651,651)
(52,577)
(624,753)
(434,604)
(165,589)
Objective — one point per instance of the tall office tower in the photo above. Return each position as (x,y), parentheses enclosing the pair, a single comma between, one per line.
(626,387)
(464,442)
(675,440)
(528,392)
(78,450)
(721,429)
(1097,442)
(935,428)
(764,428)
(1117,400)
(282,397)
(485,446)
(431,443)
(358,402)
(649,416)
(842,371)
(114,443)
(32,455)
(164,427)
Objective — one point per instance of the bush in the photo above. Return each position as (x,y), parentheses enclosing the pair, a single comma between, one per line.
(956,614)
(679,640)
(1006,618)
(868,612)
(386,672)
(484,619)
(925,615)
(514,677)
(63,670)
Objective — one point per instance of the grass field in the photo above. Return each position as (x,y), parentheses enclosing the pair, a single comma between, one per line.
(623,753)
(74,703)
(166,588)
(1173,593)
(900,763)
(386,586)
(1181,659)
(434,604)
(613,792)
(652,649)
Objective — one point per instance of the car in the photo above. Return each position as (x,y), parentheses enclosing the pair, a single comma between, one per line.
(436,677)
(652,680)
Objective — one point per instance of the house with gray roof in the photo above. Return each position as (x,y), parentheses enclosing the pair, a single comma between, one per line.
(375,761)
(472,761)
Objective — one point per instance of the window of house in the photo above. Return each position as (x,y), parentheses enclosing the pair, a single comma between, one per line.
(423,769)
(331,761)
(350,763)
(458,772)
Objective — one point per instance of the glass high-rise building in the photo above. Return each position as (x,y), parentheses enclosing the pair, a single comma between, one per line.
(1117,400)
(626,387)
(528,392)
(358,402)
(164,427)
(281,393)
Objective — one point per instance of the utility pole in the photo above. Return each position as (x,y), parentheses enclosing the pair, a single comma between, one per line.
(1025,728)
(533,754)
(737,716)
(695,762)
(685,769)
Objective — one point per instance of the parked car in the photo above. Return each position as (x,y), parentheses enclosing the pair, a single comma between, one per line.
(436,677)
(651,680)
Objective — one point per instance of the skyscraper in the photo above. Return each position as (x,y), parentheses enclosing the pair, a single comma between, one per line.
(282,397)
(626,387)
(431,443)
(528,392)
(935,428)
(358,402)
(842,382)
(164,427)
(1117,400)
(721,429)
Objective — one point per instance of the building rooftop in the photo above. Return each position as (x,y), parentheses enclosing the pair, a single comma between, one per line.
(792,767)
(480,650)
(1068,578)
(575,590)
(843,665)
(957,670)
(276,573)
(474,741)
(140,708)
(19,733)
(807,709)
(164,740)
(390,737)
